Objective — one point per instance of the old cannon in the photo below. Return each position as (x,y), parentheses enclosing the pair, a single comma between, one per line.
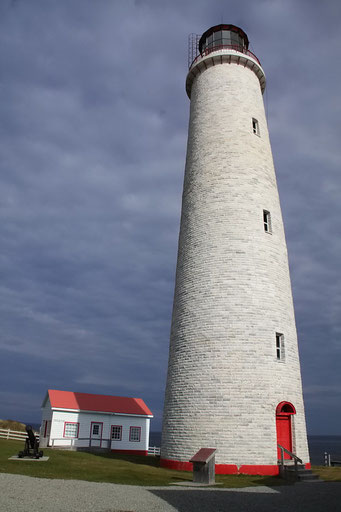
(31,445)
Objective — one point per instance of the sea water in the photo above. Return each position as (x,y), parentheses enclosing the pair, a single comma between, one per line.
(318,445)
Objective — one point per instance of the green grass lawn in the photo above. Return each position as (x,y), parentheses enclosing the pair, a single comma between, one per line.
(110,467)
(332,474)
(12,425)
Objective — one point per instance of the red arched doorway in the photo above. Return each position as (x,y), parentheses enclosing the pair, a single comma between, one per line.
(284,411)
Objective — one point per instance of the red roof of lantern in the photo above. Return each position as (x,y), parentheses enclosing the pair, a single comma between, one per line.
(98,403)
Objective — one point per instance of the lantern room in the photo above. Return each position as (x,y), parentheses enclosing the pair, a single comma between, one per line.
(223,36)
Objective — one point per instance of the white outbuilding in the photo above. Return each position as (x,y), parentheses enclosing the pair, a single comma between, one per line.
(82,421)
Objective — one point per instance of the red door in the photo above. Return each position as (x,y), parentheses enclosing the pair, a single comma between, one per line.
(283,426)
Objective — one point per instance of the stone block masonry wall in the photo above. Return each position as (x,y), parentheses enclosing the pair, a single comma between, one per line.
(233,290)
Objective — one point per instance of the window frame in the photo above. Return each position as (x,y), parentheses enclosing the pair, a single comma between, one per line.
(71,423)
(120,431)
(255,126)
(280,352)
(267,222)
(139,434)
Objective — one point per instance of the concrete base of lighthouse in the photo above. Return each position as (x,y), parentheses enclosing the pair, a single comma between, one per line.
(228,469)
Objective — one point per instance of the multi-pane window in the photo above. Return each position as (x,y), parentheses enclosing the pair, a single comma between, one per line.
(279,346)
(116,432)
(95,429)
(255,126)
(267,221)
(135,434)
(71,429)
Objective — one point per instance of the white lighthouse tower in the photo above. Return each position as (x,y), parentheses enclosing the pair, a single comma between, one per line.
(234,380)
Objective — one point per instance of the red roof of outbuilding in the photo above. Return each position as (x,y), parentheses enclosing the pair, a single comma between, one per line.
(98,403)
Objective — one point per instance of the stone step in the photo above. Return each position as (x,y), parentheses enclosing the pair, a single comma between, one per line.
(301,475)
(300,470)
(308,478)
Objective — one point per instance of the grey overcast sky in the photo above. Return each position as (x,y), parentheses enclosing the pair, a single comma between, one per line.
(93,120)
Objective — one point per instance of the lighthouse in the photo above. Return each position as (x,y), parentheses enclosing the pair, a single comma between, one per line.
(234,381)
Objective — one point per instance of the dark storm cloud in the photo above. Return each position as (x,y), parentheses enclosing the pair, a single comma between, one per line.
(90,200)
(93,137)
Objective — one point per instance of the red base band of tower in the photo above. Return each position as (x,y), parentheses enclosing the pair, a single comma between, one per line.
(227,469)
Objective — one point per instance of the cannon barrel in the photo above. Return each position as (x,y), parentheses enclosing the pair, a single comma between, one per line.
(31,445)
(31,436)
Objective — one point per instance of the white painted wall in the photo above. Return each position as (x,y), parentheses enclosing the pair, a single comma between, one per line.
(84,419)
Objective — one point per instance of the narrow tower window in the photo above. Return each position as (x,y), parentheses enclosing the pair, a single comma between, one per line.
(255,126)
(267,221)
(279,346)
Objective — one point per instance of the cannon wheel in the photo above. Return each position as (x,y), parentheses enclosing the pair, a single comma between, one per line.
(41,453)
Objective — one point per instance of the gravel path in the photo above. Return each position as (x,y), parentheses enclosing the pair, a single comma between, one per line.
(25,494)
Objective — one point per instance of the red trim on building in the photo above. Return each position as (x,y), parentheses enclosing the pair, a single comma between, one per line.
(176,464)
(132,452)
(227,469)
(73,423)
(269,470)
(120,427)
(220,469)
(285,408)
(135,440)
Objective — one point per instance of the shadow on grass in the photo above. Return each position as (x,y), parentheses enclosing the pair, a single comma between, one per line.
(149,460)
(230,481)
(256,480)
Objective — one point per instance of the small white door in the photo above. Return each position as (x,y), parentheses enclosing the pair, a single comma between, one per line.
(96,434)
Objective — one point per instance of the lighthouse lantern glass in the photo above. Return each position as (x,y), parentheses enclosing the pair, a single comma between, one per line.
(221,38)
